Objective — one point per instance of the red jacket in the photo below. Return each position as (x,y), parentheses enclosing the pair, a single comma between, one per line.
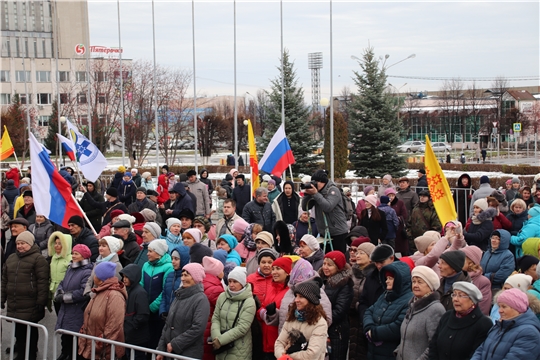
(162,189)
(212,289)
(13,174)
(501,222)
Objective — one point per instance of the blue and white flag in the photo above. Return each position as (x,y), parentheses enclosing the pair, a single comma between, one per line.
(90,160)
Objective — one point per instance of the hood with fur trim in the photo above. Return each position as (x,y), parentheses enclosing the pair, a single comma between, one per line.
(66,241)
(487,214)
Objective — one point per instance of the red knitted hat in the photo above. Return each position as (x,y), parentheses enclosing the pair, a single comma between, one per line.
(337,257)
(285,263)
(360,240)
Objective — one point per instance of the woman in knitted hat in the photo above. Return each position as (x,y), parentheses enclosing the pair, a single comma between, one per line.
(109,246)
(212,286)
(388,311)
(402,245)
(338,285)
(361,205)
(69,296)
(423,314)
(150,232)
(104,315)
(310,250)
(173,233)
(531,229)
(451,270)
(516,335)
(480,225)
(462,329)
(186,321)
(191,236)
(179,258)
(523,283)
(228,242)
(203,225)
(304,332)
(232,319)
(154,274)
(59,248)
(473,256)
(374,220)
(146,181)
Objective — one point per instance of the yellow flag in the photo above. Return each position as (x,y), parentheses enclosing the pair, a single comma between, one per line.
(438,187)
(253,162)
(7,146)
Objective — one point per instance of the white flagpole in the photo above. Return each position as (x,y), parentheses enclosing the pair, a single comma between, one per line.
(290,169)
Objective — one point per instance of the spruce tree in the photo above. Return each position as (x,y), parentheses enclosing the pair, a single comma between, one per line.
(374,129)
(341,157)
(297,126)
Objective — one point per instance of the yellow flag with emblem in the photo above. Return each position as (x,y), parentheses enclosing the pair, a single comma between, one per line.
(7,146)
(438,187)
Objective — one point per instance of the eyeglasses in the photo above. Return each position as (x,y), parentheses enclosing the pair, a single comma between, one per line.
(460,296)
(353,249)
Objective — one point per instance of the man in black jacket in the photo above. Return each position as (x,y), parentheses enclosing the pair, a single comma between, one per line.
(241,193)
(422,181)
(259,211)
(111,203)
(83,235)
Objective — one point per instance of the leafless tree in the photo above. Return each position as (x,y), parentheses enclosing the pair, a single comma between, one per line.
(451,103)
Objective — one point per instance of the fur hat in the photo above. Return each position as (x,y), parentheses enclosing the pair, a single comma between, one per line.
(105,270)
(27,237)
(196,271)
(212,266)
(337,257)
(115,244)
(470,289)
(381,253)
(112,192)
(239,274)
(514,298)
(310,290)
(520,281)
(474,253)
(265,236)
(127,217)
(481,203)
(311,242)
(456,259)
(191,173)
(159,246)
(83,250)
(428,275)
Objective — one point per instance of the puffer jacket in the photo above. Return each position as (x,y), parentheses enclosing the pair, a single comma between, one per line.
(498,264)
(104,317)
(484,190)
(127,192)
(328,201)
(316,259)
(212,289)
(137,308)
(10,192)
(530,229)
(131,248)
(315,335)
(185,324)
(183,201)
(517,221)
(162,189)
(14,174)
(274,294)
(262,214)
(512,339)
(59,262)
(153,280)
(392,221)
(25,285)
(478,234)
(90,282)
(531,246)
(418,327)
(339,289)
(173,280)
(70,316)
(384,318)
(42,232)
(227,307)
(260,285)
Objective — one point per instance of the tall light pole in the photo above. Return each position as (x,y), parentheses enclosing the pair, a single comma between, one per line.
(412,56)
(154,90)
(195,89)
(331,101)
(121,88)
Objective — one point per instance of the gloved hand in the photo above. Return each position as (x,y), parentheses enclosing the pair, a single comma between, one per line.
(216,344)
(271,309)
(163,316)
(59,298)
(3,306)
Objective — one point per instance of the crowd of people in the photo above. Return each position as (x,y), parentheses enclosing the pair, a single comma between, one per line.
(280,273)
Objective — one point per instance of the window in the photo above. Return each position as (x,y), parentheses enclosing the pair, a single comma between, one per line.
(101,76)
(26,54)
(8,45)
(35,49)
(44,49)
(17,48)
(15,16)
(102,98)
(81,98)
(80,76)
(83,120)
(22,98)
(42,16)
(22,76)
(63,76)
(6,15)
(43,76)
(43,120)
(4,76)
(44,99)
(5,99)
(64,98)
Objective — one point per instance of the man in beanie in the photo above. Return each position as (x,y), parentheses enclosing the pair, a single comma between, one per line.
(259,211)
(83,235)
(325,197)
(451,265)
(422,181)
(200,190)
(310,250)
(111,203)
(483,191)
(405,194)
(24,270)
(241,193)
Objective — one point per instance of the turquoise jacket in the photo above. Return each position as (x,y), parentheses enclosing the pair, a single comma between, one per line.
(154,275)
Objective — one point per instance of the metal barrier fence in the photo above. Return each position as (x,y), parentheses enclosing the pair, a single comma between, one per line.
(113,344)
(29,325)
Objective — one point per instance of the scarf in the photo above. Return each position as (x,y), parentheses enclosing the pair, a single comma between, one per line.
(127,182)
(78,264)
(174,239)
(300,315)
(141,203)
(106,258)
(475,220)
(449,281)
(234,293)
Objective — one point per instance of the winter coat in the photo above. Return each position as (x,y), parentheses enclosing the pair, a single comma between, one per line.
(142,257)
(137,179)
(106,207)
(392,221)
(402,245)
(302,228)
(531,246)
(446,297)
(185,324)
(316,259)
(162,189)
(93,213)
(517,221)
(339,289)
(70,316)
(371,292)
(273,194)
(255,212)
(183,201)
(358,341)
(377,229)
(127,192)
(260,285)
(87,237)
(131,248)
(315,335)
(224,226)
(148,184)
(13,174)
(200,190)
(242,196)
(227,185)
(458,338)
(29,215)
(462,198)
(418,327)
(10,192)
(423,218)
(227,307)
(328,201)
(212,289)
(501,222)
(137,308)
(421,184)
(384,318)
(530,229)
(478,234)
(512,339)
(206,181)
(42,232)
(287,209)
(483,191)
(484,285)
(274,294)
(154,276)
(382,188)
(104,317)
(498,265)
(117,180)
(172,240)
(173,280)
(25,285)
(59,262)
(90,282)
(138,206)
(409,198)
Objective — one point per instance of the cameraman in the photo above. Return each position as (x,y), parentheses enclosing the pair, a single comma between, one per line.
(326,198)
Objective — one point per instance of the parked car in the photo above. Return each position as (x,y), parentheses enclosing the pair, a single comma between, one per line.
(437,146)
(410,146)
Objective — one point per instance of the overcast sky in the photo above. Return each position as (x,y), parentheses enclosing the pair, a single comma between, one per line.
(451,39)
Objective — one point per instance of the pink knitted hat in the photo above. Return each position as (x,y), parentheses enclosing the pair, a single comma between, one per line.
(239,226)
(212,266)
(195,234)
(372,199)
(514,298)
(196,271)
(474,253)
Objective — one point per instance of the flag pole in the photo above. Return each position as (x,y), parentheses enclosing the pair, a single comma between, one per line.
(17,160)
(290,169)
(84,214)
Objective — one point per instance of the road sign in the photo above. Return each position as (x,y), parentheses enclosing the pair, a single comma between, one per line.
(517,127)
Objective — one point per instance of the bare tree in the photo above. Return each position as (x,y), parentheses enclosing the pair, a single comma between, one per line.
(451,105)
(408,113)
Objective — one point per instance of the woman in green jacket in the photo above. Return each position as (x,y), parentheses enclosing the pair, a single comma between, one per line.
(233,315)
(59,247)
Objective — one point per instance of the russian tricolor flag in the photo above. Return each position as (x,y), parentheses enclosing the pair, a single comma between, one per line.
(52,193)
(68,146)
(278,155)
